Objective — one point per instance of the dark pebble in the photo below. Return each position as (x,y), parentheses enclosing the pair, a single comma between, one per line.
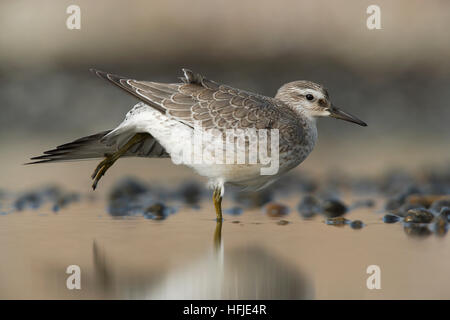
(425,200)
(445,212)
(157,211)
(333,208)
(440,225)
(128,188)
(405,208)
(276,210)
(129,197)
(36,198)
(395,203)
(337,221)
(416,230)
(419,216)
(191,193)
(357,224)
(122,208)
(391,218)
(29,200)
(309,206)
(437,205)
(64,200)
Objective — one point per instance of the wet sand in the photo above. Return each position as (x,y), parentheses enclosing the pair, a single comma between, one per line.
(137,254)
(134,257)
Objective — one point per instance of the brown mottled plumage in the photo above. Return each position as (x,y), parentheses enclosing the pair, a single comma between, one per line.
(169,108)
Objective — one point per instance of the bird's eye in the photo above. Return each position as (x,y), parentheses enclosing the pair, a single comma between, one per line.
(309,97)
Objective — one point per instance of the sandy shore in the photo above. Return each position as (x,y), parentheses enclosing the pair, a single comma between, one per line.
(174,258)
(134,257)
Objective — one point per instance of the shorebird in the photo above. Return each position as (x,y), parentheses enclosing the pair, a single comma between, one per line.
(164,119)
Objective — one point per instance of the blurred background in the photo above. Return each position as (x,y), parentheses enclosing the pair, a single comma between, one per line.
(397,79)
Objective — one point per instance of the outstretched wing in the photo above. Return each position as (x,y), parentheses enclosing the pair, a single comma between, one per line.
(199,101)
(92,147)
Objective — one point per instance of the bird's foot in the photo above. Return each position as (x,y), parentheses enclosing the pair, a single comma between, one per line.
(110,159)
(101,169)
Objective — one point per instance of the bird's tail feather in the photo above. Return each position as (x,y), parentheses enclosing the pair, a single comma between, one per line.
(89,147)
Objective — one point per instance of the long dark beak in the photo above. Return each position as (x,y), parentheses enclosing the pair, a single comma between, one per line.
(339,114)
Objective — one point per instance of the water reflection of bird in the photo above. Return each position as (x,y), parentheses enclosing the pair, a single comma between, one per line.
(165,121)
(241,273)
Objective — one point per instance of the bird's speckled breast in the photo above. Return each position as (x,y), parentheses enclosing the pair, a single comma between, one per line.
(301,144)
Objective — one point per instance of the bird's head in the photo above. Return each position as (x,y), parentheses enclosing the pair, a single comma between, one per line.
(312,99)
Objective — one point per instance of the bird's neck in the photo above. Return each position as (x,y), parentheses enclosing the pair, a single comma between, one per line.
(305,116)
(308,122)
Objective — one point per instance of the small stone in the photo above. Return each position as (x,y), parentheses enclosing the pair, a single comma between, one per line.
(235,221)
(357,224)
(410,191)
(31,200)
(445,212)
(309,206)
(191,192)
(128,188)
(416,230)
(64,200)
(276,210)
(282,222)
(129,197)
(156,211)
(440,225)
(423,200)
(404,209)
(419,216)
(333,208)
(391,218)
(439,204)
(336,221)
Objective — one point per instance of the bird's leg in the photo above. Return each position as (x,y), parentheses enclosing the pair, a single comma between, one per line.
(217,198)
(218,235)
(110,159)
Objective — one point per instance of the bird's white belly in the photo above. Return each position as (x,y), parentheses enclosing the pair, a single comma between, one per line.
(178,140)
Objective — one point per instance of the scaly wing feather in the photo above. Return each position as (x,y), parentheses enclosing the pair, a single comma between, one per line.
(198,99)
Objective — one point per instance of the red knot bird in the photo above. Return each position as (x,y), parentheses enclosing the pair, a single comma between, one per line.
(165,121)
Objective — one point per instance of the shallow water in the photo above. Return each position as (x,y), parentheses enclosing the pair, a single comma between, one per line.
(134,257)
(178,257)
